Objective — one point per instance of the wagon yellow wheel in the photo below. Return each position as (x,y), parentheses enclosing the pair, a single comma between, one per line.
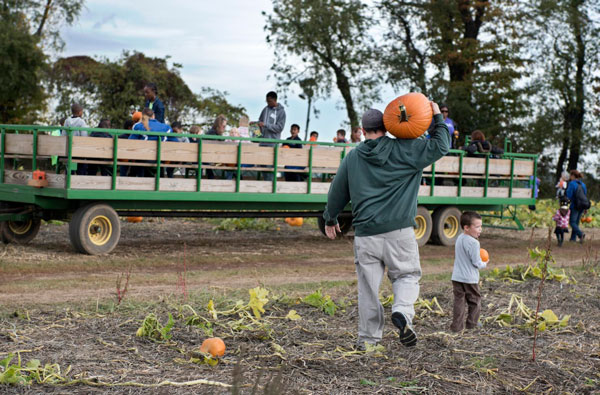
(95,229)
(100,230)
(424,225)
(20,232)
(446,225)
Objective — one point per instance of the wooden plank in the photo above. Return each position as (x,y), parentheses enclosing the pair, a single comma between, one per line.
(446,191)
(19,144)
(291,187)
(217,152)
(524,167)
(251,186)
(472,191)
(447,164)
(52,145)
(253,154)
(500,167)
(320,188)
(293,157)
(326,157)
(424,190)
(16,177)
(92,147)
(180,152)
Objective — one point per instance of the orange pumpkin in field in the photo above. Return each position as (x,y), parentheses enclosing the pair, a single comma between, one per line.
(408,116)
(296,221)
(485,257)
(134,220)
(213,345)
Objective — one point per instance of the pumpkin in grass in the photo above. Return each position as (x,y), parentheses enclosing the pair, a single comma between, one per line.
(296,221)
(135,220)
(408,116)
(485,257)
(215,346)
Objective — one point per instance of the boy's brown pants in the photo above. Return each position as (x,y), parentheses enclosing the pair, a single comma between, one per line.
(468,293)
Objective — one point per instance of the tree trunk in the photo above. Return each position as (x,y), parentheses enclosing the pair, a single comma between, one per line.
(577,113)
(343,85)
(44,18)
(560,165)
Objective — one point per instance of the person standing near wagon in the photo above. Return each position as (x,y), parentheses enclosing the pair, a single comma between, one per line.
(271,122)
(381,177)
(577,194)
(153,102)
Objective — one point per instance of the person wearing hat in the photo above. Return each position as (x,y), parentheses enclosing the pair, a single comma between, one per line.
(562,222)
(383,188)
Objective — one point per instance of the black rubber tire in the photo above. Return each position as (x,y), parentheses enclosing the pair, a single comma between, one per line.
(20,232)
(424,226)
(345,224)
(95,229)
(446,225)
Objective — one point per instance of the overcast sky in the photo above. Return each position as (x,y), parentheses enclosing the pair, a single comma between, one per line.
(221,44)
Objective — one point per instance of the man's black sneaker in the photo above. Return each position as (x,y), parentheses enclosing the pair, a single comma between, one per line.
(408,337)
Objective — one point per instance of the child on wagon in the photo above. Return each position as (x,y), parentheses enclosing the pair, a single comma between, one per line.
(465,276)
(562,222)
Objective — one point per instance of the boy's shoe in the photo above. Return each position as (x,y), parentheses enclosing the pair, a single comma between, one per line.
(362,346)
(408,337)
(560,243)
(582,237)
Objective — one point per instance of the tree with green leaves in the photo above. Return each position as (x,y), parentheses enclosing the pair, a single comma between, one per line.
(466,53)
(22,64)
(567,50)
(111,89)
(328,42)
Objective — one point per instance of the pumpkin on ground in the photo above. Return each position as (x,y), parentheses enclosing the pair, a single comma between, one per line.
(408,116)
(214,346)
(134,220)
(296,221)
(485,257)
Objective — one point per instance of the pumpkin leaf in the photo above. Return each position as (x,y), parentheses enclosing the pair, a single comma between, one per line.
(542,326)
(549,316)
(258,298)
(293,316)
(564,321)
(278,348)
(211,309)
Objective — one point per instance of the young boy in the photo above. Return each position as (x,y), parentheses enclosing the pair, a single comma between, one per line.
(465,276)
(76,121)
(340,136)
(293,176)
(562,222)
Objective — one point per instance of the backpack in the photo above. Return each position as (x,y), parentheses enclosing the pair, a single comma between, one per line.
(580,201)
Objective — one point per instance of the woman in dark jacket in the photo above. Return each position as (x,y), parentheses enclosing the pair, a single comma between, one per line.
(478,145)
(575,217)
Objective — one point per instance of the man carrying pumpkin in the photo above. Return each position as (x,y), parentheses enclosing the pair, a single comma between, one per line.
(381,177)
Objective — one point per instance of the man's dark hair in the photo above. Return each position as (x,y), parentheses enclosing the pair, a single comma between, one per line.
(76,108)
(128,124)
(176,125)
(375,130)
(466,219)
(295,125)
(152,86)
(314,133)
(342,132)
(104,123)
(272,95)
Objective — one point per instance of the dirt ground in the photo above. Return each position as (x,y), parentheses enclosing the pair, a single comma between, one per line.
(157,250)
(59,307)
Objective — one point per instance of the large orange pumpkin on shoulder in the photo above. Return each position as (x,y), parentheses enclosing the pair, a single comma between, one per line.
(408,116)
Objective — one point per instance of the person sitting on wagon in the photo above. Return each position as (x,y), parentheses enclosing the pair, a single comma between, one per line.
(148,123)
(479,145)
(340,137)
(293,176)
(105,170)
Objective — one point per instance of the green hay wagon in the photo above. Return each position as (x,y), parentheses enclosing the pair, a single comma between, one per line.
(94,203)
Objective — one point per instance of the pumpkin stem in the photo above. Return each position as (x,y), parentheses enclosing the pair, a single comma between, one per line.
(403,115)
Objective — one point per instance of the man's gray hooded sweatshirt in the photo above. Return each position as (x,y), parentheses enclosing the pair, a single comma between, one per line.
(274,120)
(381,177)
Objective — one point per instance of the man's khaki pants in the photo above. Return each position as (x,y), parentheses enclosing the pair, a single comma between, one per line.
(399,252)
